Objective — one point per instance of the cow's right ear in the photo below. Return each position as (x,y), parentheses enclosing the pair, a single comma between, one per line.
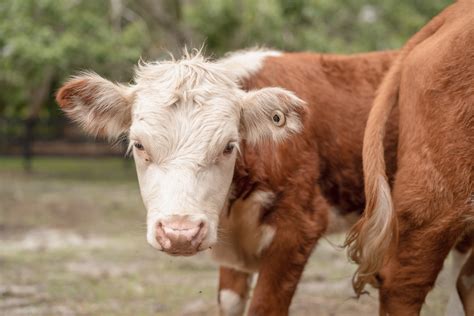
(101,107)
(271,113)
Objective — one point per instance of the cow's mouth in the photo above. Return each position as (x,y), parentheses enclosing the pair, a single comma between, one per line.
(182,254)
(185,253)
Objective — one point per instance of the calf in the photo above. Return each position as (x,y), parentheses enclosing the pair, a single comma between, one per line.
(401,245)
(229,159)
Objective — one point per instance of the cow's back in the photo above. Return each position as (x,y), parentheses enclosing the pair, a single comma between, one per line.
(437,104)
(339,91)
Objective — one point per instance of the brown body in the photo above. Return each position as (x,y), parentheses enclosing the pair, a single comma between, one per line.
(432,84)
(311,174)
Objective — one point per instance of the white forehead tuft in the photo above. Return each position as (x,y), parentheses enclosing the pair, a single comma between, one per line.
(187,108)
(188,73)
(245,63)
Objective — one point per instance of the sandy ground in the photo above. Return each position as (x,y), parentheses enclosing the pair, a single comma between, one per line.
(72,242)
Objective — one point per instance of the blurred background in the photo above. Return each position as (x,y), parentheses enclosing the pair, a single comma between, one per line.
(72,232)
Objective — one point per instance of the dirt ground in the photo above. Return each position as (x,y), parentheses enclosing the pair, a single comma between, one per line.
(72,242)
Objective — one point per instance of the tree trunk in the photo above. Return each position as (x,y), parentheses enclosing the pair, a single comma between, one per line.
(38,98)
(165,16)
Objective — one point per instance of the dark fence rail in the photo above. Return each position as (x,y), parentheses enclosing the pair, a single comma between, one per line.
(51,137)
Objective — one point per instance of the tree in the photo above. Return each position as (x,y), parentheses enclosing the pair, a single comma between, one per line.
(42,41)
(342,26)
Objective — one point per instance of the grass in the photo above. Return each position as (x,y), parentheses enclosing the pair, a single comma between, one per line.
(72,242)
(87,169)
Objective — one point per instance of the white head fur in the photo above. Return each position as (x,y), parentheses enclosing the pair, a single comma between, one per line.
(185,120)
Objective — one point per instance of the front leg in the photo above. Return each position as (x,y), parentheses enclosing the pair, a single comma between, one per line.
(234,287)
(297,231)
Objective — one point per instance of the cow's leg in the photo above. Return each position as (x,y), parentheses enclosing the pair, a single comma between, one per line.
(234,287)
(411,273)
(283,261)
(429,227)
(465,285)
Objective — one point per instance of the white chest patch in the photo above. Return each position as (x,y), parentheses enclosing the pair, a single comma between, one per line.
(241,237)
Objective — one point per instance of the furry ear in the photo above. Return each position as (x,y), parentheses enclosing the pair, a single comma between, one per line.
(271,113)
(101,107)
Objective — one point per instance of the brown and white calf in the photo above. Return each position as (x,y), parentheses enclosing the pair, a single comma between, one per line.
(404,236)
(228,158)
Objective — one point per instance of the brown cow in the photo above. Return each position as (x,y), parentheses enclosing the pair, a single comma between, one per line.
(264,209)
(401,247)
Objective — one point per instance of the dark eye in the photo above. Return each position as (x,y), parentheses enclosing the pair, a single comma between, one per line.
(229,148)
(138,146)
(278,118)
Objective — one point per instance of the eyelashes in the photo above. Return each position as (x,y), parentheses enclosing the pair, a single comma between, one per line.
(138,146)
(227,151)
(229,148)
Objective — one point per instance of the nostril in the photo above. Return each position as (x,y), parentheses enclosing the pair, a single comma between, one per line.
(159,227)
(161,236)
(200,234)
(199,231)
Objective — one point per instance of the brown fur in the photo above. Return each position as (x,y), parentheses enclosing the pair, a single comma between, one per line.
(432,82)
(319,168)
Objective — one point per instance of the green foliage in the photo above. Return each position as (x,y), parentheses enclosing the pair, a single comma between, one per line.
(342,26)
(42,37)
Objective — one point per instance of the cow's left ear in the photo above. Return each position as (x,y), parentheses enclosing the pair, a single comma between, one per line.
(271,114)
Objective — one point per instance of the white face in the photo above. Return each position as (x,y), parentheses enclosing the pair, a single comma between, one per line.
(185,120)
(184,155)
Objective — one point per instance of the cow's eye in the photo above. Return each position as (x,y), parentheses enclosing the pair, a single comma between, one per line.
(229,148)
(138,146)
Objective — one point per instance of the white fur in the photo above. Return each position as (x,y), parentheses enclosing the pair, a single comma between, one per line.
(266,238)
(243,64)
(241,237)
(108,100)
(263,198)
(231,304)
(184,113)
(378,223)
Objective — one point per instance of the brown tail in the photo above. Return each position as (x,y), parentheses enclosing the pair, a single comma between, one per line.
(369,240)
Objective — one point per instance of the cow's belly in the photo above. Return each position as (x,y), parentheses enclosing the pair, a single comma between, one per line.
(242,238)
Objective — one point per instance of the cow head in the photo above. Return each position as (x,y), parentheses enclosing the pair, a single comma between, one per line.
(185,120)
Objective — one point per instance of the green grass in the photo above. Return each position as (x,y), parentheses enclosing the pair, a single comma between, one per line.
(103,169)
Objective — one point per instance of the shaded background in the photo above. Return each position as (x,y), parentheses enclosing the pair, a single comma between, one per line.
(72,232)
